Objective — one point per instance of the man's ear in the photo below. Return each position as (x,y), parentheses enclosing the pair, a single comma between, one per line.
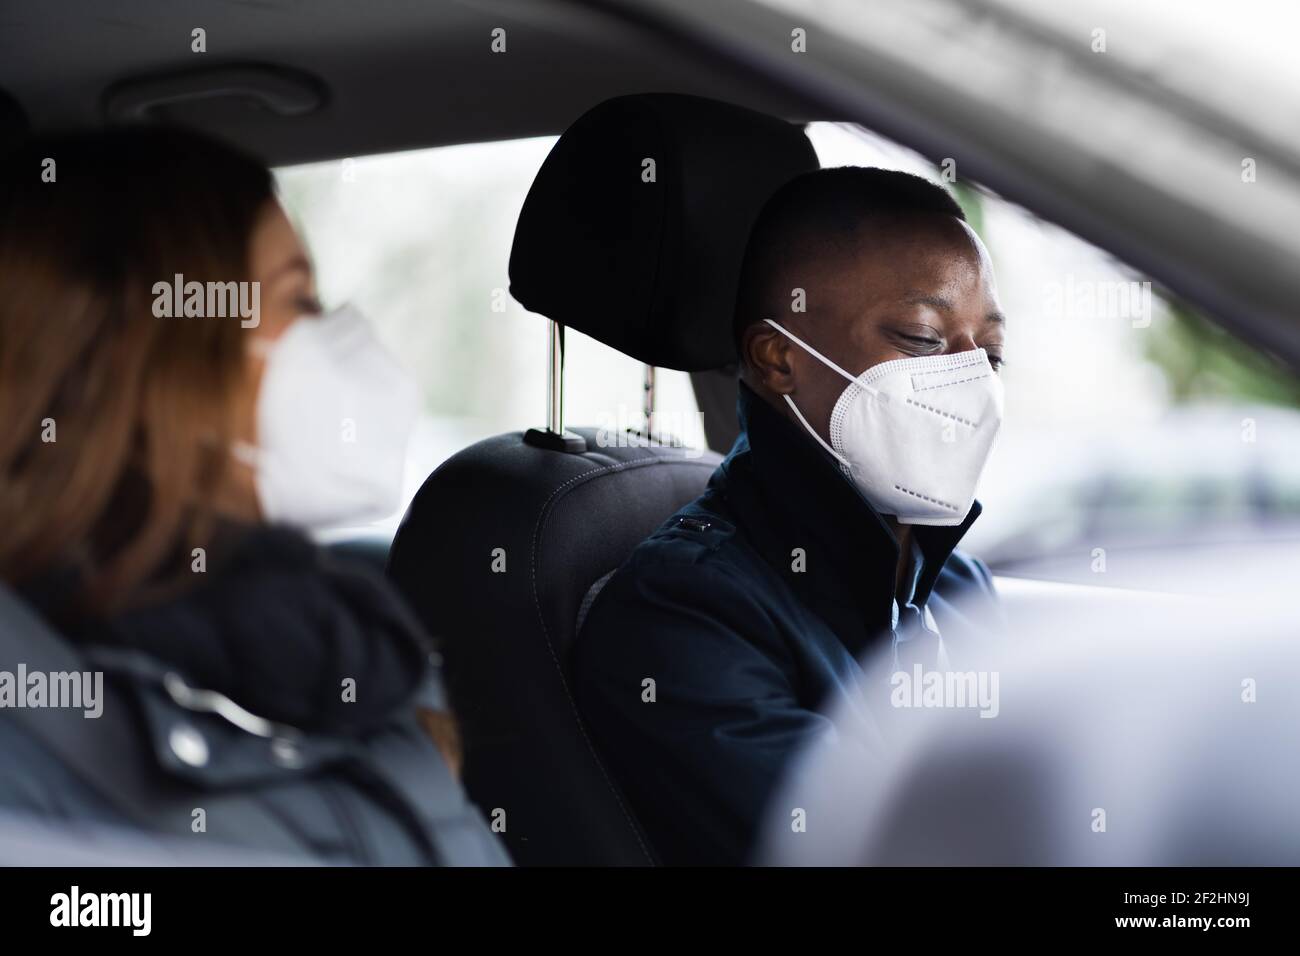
(765,354)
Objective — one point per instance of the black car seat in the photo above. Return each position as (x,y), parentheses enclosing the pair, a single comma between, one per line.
(633,232)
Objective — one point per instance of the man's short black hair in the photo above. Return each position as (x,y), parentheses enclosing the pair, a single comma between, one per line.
(820,213)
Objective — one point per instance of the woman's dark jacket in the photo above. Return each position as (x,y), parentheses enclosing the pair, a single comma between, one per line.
(271,705)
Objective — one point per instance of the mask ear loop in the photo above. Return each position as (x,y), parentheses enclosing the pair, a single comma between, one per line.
(795,408)
(812,431)
(810,350)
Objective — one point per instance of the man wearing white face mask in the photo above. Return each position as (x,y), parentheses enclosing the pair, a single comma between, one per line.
(870,339)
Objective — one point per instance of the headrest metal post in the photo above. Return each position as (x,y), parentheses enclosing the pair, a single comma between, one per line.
(554,435)
(648,406)
(555,379)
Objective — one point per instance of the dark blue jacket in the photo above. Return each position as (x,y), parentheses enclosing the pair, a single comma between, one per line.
(749,610)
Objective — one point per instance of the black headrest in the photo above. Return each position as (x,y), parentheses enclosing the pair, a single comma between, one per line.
(651,267)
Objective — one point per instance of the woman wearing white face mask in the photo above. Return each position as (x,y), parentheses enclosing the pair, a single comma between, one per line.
(198,437)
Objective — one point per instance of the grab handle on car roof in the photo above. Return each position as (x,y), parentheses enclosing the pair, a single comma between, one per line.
(554,436)
(283,92)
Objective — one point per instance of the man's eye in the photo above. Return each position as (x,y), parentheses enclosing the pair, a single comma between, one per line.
(997,362)
(920,341)
(309,305)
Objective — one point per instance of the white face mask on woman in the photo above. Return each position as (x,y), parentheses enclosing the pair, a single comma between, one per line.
(914,434)
(334,413)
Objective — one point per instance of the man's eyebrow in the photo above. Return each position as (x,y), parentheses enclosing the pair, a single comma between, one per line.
(934,301)
(945,305)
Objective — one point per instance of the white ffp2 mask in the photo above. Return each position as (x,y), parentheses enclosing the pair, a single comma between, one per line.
(334,412)
(914,434)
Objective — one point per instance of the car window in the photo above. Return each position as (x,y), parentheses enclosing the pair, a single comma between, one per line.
(1138,435)
(1133,423)
(420,241)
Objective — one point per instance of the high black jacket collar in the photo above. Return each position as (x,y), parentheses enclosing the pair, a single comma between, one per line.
(788,493)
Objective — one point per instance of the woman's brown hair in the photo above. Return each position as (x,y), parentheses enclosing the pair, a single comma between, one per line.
(116,422)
